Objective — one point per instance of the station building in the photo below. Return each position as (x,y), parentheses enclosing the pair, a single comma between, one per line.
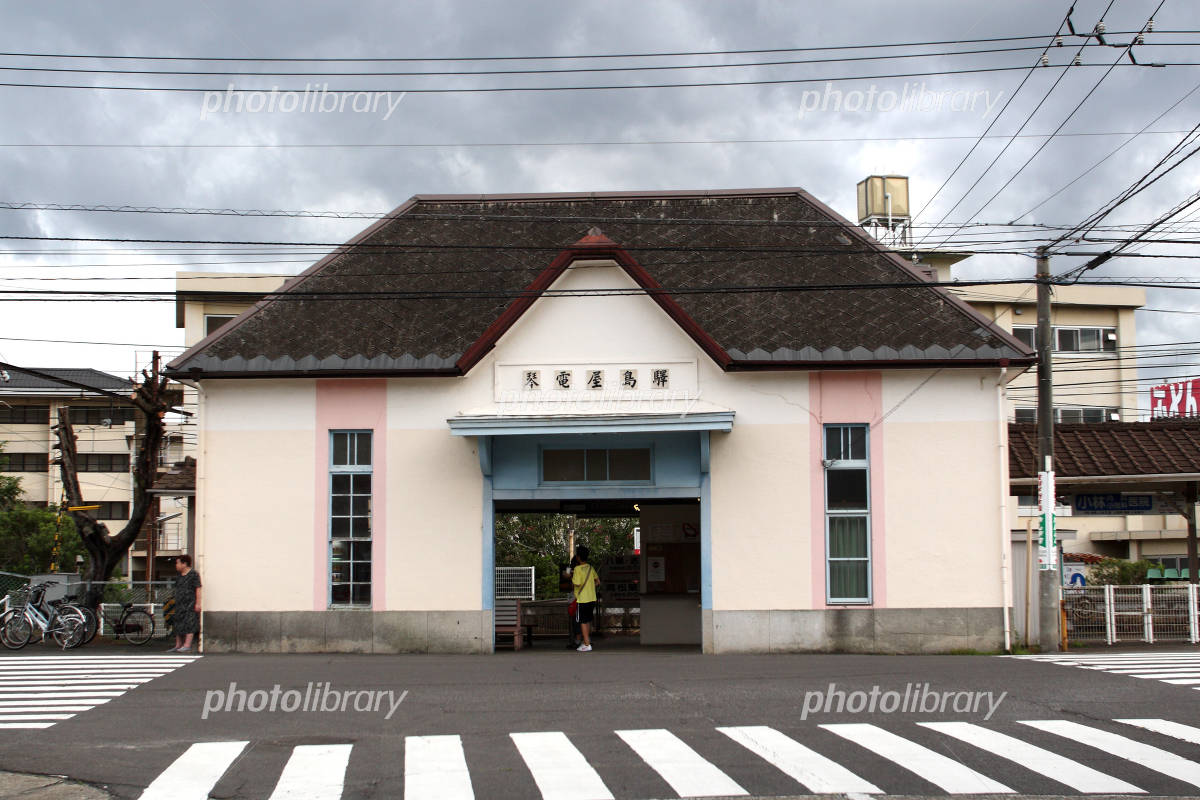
(814,434)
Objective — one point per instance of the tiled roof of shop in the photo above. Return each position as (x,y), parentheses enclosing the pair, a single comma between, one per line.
(449,266)
(1162,447)
(19,380)
(180,476)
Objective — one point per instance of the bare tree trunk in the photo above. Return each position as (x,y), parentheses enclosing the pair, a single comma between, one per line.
(105,550)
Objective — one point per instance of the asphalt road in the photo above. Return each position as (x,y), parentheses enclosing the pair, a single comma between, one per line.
(130,740)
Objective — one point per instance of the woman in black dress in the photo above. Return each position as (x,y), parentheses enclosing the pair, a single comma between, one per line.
(187,605)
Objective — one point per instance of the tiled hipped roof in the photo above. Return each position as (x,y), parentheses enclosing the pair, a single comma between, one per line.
(1162,447)
(89,377)
(474,252)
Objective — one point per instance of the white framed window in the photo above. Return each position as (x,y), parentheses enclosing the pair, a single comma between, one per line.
(1085,340)
(1065,339)
(847,514)
(1071,415)
(350,535)
(214,322)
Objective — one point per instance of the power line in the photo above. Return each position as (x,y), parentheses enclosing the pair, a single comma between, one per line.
(598,143)
(1116,251)
(275,90)
(1143,182)
(541,71)
(985,135)
(297,295)
(1110,154)
(1045,143)
(674,54)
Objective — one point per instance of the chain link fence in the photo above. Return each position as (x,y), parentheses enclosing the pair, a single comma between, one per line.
(1113,614)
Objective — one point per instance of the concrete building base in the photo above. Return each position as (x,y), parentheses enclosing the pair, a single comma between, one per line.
(347,631)
(842,630)
(854,630)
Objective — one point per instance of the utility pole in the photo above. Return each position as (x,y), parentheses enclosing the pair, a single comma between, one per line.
(1049,582)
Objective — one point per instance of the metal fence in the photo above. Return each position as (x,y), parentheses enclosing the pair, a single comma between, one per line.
(10,581)
(1112,614)
(514,583)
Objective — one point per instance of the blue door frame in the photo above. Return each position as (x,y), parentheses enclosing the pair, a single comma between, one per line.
(510,467)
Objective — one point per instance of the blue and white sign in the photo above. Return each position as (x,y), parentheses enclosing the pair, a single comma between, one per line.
(1116,505)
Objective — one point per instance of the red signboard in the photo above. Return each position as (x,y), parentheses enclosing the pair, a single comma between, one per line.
(1178,399)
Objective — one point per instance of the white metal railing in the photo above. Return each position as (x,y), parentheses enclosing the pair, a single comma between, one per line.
(1146,613)
(514,583)
(170,536)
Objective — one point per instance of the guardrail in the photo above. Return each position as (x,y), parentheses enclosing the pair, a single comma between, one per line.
(1146,613)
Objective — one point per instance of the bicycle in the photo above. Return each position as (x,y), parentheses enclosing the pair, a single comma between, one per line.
(135,625)
(50,619)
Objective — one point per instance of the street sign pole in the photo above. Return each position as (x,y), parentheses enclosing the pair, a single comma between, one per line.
(1048,541)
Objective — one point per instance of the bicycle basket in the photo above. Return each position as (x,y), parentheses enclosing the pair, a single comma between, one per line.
(19,597)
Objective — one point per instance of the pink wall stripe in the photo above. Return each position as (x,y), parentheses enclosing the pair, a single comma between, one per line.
(351,405)
(856,398)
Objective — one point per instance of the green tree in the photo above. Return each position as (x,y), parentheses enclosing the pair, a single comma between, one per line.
(10,489)
(28,538)
(28,535)
(1119,572)
(540,541)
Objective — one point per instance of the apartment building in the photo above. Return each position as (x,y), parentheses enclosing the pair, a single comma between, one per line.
(104,426)
(1095,381)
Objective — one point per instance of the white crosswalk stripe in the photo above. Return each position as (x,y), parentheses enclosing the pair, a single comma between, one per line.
(314,772)
(679,765)
(1148,756)
(1176,668)
(560,771)
(936,768)
(435,768)
(819,774)
(1052,765)
(1185,732)
(193,775)
(37,691)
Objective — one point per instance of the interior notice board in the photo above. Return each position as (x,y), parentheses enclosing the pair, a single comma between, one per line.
(671,558)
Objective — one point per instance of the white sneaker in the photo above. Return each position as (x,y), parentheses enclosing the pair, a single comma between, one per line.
(584,648)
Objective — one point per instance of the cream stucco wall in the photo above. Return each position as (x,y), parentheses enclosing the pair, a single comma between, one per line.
(255,500)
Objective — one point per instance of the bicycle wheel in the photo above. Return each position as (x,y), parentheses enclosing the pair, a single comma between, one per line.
(137,626)
(90,623)
(15,629)
(68,632)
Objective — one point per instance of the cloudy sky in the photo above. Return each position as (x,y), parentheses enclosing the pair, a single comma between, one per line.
(195,150)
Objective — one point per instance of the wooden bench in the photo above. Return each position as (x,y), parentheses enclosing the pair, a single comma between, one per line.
(543,619)
(507,616)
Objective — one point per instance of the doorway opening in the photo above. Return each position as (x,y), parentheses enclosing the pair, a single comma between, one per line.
(647,554)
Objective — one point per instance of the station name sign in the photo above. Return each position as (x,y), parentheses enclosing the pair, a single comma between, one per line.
(619,382)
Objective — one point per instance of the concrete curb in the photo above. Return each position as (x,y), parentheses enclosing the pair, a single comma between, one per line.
(46,787)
